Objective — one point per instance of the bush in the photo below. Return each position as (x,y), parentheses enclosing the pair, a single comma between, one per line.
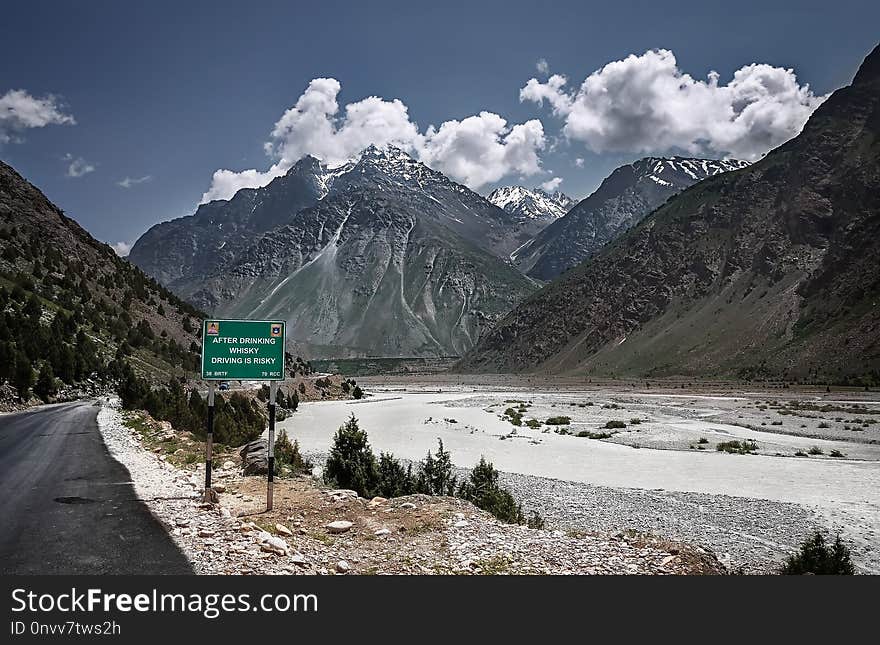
(614,424)
(351,463)
(435,474)
(635,421)
(593,435)
(815,557)
(737,447)
(702,440)
(837,453)
(483,491)
(357,392)
(815,450)
(394,479)
(558,421)
(288,454)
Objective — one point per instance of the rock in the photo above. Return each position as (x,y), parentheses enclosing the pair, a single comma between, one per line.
(409,505)
(263,536)
(228,465)
(299,559)
(165,426)
(219,488)
(376,501)
(255,457)
(339,526)
(275,544)
(460,524)
(206,533)
(283,530)
(342,492)
(381,532)
(343,567)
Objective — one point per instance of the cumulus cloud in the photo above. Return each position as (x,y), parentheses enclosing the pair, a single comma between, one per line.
(128,182)
(542,66)
(475,150)
(77,166)
(646,104)
(20,111)
(579,162)
(122,248)
(551,184)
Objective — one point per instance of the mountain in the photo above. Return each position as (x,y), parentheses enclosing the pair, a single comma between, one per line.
(380,256)
(531,203)
(768,271)
(622,200)
(70,307)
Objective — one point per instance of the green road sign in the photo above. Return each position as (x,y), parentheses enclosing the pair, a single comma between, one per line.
(245,350)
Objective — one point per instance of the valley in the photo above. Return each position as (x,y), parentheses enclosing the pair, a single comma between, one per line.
(664,474)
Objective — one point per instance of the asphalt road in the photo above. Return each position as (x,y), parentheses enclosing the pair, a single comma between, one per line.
(68,507)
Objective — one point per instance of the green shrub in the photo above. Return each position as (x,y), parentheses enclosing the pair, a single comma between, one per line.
(558,421)
(635,421)
(534,424)
(435,473)
(824,425)
(737,447)
(837,453)
(351,463)
(815,450)
(614,424)
(394,479)
(593,435)
(702,440)
(483,491)
(815,557)
(288,454)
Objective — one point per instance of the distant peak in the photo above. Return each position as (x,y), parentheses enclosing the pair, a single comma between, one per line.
(869,70)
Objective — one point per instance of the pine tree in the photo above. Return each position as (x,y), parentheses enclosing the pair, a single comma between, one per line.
(46,385)
(23,378)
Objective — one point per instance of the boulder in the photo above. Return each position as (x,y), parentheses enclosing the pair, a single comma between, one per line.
(339,526)
(255,457)
(343,567)
(283,530)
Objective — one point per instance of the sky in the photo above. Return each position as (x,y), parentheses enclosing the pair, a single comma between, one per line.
(127,114)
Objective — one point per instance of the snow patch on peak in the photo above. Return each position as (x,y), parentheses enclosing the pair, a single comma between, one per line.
(531,203)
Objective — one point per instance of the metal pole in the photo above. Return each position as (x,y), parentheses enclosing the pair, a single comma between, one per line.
(273,390)
(209,446)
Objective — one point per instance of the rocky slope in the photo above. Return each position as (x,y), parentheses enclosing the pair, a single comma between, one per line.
(622,200)
(770,270)
(69,303)
(378,256)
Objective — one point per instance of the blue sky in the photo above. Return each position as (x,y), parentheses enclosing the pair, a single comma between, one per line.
(172,94)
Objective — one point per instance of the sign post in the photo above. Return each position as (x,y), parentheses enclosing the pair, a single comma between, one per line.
(242,350)
(273,391)
(210,496)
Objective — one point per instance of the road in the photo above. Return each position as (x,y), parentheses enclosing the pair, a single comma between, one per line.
(68,507)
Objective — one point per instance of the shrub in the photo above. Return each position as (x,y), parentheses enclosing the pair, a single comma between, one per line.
(837,453)
(815,450)
(635,421)
(558,421)
(737,447)
(702,440)
(593,435)
(815,557)
(534,424)
(824,425)
(394,479)
(482,490)
(288,454)
(357,392)
(435,474)
(351,463)
(615,424)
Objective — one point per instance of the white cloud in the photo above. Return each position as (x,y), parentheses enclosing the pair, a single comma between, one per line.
(551,184)
(646,104)
(476,150)
(77,166)
(20,111)
(482,149)
(122,248)
(542,66)
(579,162)
(128,182)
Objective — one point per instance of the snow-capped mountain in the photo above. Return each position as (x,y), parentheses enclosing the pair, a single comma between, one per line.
(380,255)
(626,196)
(531,203)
